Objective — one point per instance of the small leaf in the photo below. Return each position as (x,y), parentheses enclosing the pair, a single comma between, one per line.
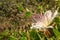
(23,38)
(1,37)
(57,33)
(15,34)
(28,14)
(5,33)
(22,33)
(11,37)
(34,35)
(20,7)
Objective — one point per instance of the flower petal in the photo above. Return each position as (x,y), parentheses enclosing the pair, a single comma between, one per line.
(48,14)
(37,17)
(55,14)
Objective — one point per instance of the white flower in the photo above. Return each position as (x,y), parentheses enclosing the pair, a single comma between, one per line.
(42,21)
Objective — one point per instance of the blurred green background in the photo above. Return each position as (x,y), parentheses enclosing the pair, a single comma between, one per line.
(15,19)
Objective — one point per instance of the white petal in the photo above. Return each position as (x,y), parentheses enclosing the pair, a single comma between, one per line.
(48,14)
(50,27)
(55,14)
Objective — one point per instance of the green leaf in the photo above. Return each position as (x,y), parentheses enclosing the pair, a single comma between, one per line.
(28,14)
(23,38)
(5,33)
(34,35)
(15,34)
(57,33)
(20,7)
(58,3)
(11,37)
(1,37)
(23,34)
